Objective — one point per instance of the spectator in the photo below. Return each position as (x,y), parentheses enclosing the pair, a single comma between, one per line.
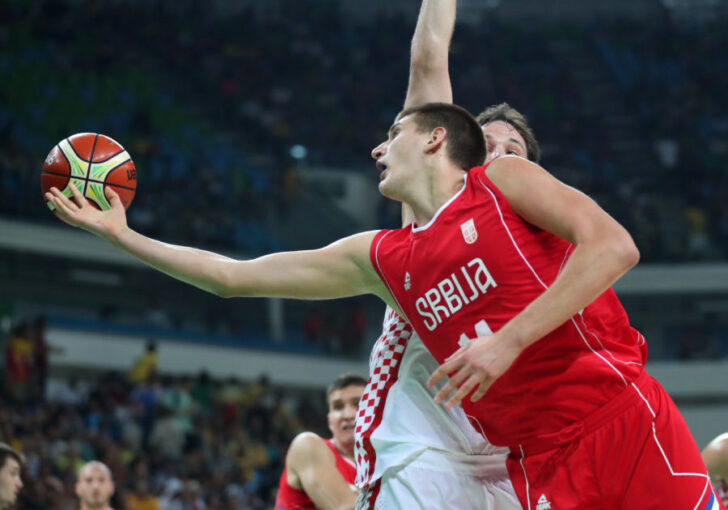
(146,365)
(19,363)
(141,498)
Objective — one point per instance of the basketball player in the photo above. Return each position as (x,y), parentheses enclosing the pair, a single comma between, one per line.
(410,452)
(10,481)
(506,276)
(320,473)
(95,486)
(715,456)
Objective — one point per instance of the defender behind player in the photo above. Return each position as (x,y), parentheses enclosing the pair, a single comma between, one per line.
(319,473)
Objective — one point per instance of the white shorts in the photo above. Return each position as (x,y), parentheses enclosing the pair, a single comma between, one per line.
(436,487)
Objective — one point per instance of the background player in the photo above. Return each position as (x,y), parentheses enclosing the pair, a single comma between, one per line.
(10,480)
(715,456)
(582,251)
(319,473)
(404,439)
(95,486)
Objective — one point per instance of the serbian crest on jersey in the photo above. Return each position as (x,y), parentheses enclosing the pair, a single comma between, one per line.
(469,233)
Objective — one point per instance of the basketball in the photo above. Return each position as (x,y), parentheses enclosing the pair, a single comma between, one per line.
(90,162)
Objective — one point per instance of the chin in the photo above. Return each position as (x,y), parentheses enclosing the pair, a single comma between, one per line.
(386,190)
(346,436)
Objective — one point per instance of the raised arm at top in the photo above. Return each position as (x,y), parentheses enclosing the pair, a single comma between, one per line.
(429,79)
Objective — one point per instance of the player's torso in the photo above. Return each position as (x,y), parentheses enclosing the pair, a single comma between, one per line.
(474,267)
(398,420)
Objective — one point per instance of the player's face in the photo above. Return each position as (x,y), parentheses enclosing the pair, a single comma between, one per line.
(343,404)
(10,482)
(502,139)
(396,157)
(94,487)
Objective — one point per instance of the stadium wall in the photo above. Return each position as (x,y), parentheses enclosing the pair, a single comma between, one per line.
(697,387)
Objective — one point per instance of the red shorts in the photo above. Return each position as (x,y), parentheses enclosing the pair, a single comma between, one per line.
(636,452)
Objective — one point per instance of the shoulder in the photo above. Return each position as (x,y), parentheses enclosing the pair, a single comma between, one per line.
(306,448)
(508,167)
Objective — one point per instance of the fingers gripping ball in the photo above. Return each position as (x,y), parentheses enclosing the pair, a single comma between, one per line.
(90,162)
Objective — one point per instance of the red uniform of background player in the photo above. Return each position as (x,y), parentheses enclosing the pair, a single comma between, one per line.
(320,473)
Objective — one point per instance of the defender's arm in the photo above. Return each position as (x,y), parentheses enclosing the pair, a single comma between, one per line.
(429,79)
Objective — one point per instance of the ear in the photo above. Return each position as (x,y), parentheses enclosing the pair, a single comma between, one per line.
(436,140)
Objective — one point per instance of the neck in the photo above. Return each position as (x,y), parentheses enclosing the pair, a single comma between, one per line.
(343,450)
(439,189)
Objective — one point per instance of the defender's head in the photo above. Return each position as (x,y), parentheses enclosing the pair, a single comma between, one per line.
(506,131)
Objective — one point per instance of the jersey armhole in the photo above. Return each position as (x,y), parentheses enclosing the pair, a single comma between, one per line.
(374,257)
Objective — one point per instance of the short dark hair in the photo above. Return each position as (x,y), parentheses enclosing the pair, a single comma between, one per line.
(8,451)
(344,381)
(465,144)
(506,113)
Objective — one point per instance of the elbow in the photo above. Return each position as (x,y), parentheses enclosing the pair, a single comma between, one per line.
(627,252)
(220,284)
(222,291)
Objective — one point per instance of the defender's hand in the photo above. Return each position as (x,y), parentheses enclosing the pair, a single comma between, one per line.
(477,365)
(80,213)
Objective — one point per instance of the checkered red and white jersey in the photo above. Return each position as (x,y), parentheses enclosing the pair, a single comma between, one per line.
(397,418)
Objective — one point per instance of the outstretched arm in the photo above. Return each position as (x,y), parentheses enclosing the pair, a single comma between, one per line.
(311,466)
(339,270)
(603,252)
(429,79)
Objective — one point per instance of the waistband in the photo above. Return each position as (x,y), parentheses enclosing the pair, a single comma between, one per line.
(590,423)
(492,466)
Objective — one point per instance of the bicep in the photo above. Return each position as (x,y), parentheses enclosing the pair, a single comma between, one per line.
(549,204)
(339,270)
(315,466)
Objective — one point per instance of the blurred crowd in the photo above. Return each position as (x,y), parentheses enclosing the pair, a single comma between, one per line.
(198,95)
(172,443)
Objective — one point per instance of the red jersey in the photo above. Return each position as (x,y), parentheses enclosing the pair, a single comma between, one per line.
(290,498)
(472,268)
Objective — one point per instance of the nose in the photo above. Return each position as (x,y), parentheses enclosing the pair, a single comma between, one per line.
(379,150)
(494,153)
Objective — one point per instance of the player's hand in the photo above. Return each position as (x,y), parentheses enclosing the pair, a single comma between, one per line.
(80,213)
(477,365)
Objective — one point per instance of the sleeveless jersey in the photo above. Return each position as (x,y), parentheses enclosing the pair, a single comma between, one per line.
(290,498)
(398,421)
(472,268)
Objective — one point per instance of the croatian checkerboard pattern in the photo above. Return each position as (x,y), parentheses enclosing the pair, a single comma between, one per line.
(383,373)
